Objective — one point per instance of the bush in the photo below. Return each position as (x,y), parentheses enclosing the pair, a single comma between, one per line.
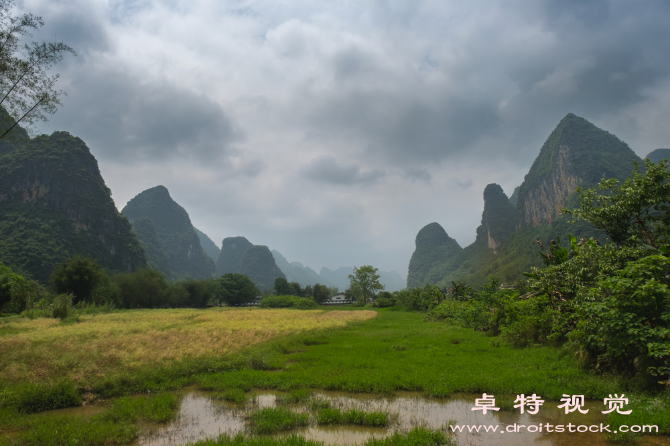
(300,303)
(29,398)
(624,321)
(61,306)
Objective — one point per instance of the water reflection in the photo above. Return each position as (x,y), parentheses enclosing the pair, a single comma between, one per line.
(200,418)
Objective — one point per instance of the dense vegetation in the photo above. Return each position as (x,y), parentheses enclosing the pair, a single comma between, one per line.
(55,205)
(259,265)
(610,303)
(157,259)
(434,248)
(174,230)
(232,254)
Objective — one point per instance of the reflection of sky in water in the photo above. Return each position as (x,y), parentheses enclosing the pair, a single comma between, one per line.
(202,418)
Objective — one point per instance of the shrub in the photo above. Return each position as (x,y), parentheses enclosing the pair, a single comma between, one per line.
(300,303)
(624,321)
(61,306)
(33,397)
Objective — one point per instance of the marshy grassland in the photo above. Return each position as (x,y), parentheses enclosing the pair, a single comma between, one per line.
(104,359)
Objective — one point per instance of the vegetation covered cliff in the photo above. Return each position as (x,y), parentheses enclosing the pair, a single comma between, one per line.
(231,254)
(157,259)
(174,230)
(434,250)
(208,245)
(259,266)
(54,204)
(577,153)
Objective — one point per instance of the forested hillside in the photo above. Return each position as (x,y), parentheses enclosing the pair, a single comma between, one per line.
(56,205)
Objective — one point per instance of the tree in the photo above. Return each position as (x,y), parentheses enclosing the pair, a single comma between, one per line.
(365,282)
(8,281)
(145,288)
(632,212)
(283,288)
(77,276)
(26,88)
(320,293)
(235,289)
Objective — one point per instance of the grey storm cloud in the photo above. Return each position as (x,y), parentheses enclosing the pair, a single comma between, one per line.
(327,170)
(129,119)
(416,174)
(591,59)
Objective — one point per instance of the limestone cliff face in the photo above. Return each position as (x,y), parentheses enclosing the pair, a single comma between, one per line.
(434,250)
(543,202)
(577,153)
(174,231)
(498,218)
(54,204)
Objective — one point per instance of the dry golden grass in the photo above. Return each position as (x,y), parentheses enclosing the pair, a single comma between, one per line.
(43,349)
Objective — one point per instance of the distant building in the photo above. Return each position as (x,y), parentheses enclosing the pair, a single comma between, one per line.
(337,299)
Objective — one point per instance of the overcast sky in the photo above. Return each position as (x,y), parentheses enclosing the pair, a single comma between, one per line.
(332,131)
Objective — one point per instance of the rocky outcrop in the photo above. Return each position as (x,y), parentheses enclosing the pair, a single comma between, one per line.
(232,253)
(434,250)
(259,266)
(498,218)
(175,232)
(577,153)
(54,204)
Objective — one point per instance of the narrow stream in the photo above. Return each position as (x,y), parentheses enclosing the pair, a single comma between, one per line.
(201,417)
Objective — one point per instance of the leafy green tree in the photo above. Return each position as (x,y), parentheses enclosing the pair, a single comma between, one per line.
(624,321)
(632,212)
(320,293)
(26,88)
(77,276)
(236,289)
(365,282)
(283,288)
(297,289)
(9,281)
(190,293)
(145,288)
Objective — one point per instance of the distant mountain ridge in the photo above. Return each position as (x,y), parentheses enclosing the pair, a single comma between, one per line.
(576,153)
(296,272)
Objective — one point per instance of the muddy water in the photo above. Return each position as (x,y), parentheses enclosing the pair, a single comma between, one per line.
(200,418)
